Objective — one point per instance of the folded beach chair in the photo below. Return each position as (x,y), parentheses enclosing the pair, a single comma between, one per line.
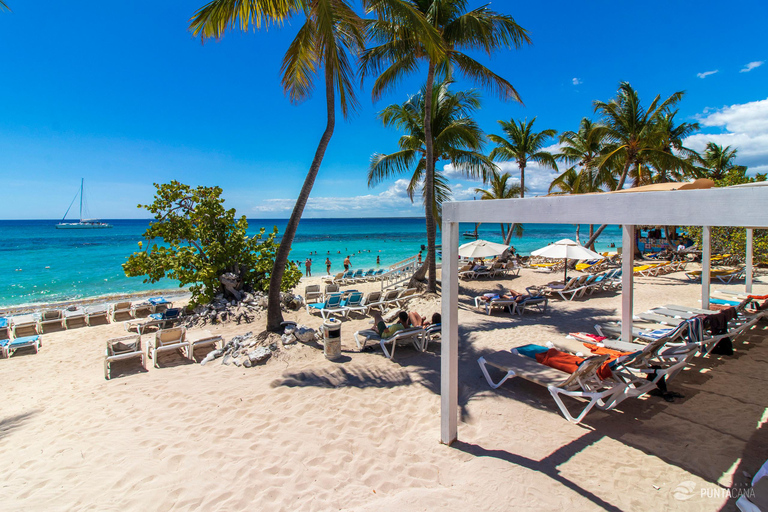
(8,347)
(74,316)
(24,325)
(331,305)
(581,384)
(93,313)
(120,308)
(168,339)
(415,335)
(198,339)
(125,347)
(49,317)
(312,293)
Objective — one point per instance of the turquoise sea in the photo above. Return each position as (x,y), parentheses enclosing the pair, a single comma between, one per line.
(41,264)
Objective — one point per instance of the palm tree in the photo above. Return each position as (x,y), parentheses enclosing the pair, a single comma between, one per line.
(582,149)
(403,42)
(718,160)
(500,188)
(331,31)
(458,140)
(523,145)
(3,5)
(671,140)
(632,131)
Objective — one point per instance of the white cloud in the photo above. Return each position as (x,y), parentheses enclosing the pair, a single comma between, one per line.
(393,201)
(744,127)
(706,73)
(752,65)
(577,81)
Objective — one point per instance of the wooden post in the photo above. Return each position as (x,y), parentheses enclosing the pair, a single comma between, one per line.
(627,281)
(750,234)
(449,358)
(706,264)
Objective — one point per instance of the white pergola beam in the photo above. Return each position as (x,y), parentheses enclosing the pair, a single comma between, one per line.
(449,350)
(627,281)
(711,207)
(706,264)
(750,234)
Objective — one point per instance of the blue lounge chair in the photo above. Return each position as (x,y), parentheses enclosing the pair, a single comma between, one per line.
(8,347)
(3,328)
(331,305)
(354,303)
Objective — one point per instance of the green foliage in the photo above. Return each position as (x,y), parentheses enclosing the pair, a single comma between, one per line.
(201,240)
(733,240)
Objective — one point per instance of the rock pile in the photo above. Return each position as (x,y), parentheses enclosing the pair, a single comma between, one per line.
(249,307)
(248,350)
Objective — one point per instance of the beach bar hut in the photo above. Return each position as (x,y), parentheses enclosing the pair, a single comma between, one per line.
(729,206)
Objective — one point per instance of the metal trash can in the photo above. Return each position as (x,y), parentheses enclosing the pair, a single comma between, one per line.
(332,339)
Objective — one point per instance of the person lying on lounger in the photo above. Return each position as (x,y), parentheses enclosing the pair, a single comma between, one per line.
(387,332)
(513,295)
(416,320)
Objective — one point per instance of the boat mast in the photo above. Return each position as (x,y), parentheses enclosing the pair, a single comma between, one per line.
(81,198)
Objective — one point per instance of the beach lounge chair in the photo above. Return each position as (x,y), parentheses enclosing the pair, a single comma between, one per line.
(24,325)
(384,299)
(159,304)
(583,383)
(49,317)
(312,293)
(331,305)
(125,347)
(371,300)
(431,332)
(93,313)
(377,275)
(333,279)
(161,320)
(330,289)
(512,268)
(141,308)
(168,339)
(755,499)
(724,276)
(74,316)
(354,302)
(415,335)
(3,328)
(120,308)
(198,339)
(540,303)
(8,347)
(405,295)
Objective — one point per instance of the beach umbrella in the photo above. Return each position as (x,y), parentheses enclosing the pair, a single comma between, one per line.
(481,249)
(566,249)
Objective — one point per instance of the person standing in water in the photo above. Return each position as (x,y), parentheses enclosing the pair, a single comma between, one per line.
(328,265)
(347,263)
(378,260)
(308,266)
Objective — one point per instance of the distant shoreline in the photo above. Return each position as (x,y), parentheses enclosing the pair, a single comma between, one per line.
(87,301)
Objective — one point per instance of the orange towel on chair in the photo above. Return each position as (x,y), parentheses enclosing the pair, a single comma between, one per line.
(569,363)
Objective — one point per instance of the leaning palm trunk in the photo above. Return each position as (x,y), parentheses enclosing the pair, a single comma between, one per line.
(274,313)
(508,239)
(429,182)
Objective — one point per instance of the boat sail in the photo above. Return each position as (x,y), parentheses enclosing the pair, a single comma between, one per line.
(84,223)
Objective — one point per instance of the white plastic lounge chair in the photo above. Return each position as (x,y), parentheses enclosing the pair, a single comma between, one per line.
(430,333)
(755,499)
(415,335)
(330,289)
(24,325)
(540,303)
(8,347)
(168,339)
(371,300)
(354,303)
(159,304)
(198,339)
(327,308)
(312,293)
(161,320)
(120,308)
(142,308)
(583,383)
(333,279)
(125,347)
(95,312)
(49,317)
(74,316)
(574,288)
(405,296)
(512,268)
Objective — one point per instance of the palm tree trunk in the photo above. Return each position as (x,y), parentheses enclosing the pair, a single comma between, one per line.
(591,241)
(522,180)
(274,313)
(503,233)
(578,228)
(624,173)
(591,232)
(508,239)
(429,181)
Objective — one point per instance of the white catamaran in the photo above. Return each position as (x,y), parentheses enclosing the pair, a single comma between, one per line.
(84,223)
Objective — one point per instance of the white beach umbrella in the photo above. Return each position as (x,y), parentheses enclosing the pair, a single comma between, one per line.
(566,248)
(481,249)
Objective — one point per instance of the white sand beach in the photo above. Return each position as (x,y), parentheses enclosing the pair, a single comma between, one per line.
(362,433)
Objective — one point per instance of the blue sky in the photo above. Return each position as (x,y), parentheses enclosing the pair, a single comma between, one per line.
(122,95)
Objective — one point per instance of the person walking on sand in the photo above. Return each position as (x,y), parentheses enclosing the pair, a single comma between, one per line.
(347,263)
(308,266)
(419,262)
(328,265)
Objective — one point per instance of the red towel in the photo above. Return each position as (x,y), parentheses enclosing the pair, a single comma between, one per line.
(569,363)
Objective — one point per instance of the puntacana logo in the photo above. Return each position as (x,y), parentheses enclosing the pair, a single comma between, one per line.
(684,491)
